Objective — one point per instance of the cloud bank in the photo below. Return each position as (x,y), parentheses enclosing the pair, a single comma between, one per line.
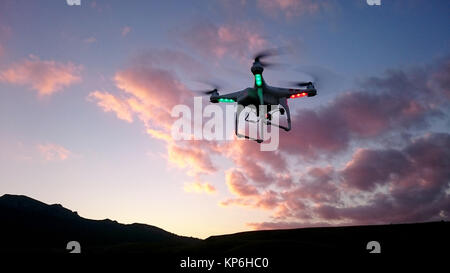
(388,182)
(46,77)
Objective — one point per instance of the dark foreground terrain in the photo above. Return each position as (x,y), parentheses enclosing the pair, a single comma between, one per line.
(32,227)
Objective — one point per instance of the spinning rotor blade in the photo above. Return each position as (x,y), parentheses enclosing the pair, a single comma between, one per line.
(213,88)
(266,53)
(272,65)
(258,57)
(320,77)
(206,92)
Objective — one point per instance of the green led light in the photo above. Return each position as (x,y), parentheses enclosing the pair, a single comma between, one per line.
(258,79)
(225,100)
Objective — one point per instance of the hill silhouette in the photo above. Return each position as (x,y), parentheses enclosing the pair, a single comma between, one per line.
(30,226)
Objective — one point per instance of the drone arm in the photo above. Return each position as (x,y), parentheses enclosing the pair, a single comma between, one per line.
(230,97)
(293,93)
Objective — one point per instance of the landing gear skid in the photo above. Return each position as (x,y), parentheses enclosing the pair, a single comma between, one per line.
(263,119)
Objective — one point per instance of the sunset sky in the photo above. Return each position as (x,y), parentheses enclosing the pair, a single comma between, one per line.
(86,94)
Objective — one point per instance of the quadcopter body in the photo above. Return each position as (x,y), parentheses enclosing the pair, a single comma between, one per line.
(262,94)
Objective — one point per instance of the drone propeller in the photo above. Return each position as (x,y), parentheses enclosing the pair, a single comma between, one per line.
(213,88)
(258,57)
(207,92)
(321,78)
(266,53)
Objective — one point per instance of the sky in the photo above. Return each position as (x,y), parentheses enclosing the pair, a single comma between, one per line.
(86,94)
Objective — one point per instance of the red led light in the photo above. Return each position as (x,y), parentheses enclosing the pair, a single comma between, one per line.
(298,95)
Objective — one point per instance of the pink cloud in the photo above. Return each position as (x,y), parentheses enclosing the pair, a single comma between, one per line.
(225,40)
(238,184)
(152,92)
(317,185)
(291,8)
(53,152)
(146,91)
(383,185)
(369,168)
(199,187)
(260,166)
(243,202)
(422,163)
(109,102)
(248,194)
(47,77)
(268,200)
(191,157)
(398,101)
(149,93)
(416,180)
(160,134)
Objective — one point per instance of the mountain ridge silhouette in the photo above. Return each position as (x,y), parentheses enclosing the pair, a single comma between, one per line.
(49,227)
(29,225)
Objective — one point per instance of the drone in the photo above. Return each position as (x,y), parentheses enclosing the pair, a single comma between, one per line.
(262,94)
